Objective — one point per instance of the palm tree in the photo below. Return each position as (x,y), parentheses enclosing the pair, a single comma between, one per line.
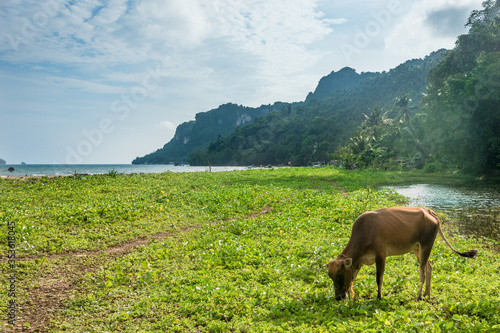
(375,124)
(414,137)
(405,111)
(359,143)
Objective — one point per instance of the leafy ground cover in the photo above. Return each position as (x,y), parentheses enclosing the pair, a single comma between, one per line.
(55,215)
(253,263)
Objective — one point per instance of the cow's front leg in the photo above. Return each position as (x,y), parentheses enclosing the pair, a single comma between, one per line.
(351,290)
(380,263)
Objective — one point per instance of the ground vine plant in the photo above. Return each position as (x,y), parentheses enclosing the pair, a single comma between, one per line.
(233,252)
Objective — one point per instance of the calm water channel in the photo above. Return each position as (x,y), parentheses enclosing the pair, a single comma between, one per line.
(473,207)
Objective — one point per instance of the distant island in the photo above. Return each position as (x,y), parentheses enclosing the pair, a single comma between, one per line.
(2,161)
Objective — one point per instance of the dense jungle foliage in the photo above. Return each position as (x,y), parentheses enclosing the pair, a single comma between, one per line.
(463,105)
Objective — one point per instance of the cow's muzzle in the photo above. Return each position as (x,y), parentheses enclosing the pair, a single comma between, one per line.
(340,297)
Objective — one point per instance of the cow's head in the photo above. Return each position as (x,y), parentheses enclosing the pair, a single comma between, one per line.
(341,272)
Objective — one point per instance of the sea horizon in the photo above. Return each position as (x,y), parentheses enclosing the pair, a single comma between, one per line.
(40,170)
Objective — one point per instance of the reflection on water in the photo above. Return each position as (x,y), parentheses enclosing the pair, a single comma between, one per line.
(475,207)
(451,198)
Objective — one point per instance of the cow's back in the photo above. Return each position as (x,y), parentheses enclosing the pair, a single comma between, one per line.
(393,230)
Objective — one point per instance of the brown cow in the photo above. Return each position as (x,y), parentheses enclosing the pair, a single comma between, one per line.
(388,232)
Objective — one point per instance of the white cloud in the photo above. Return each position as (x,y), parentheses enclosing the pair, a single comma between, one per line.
(267,41)
(429,25)
(91,29)
(176,22)
(337,21)
(110,14)
(84,85)
(166,125)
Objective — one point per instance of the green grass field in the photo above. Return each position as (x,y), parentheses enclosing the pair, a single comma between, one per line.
(236,251)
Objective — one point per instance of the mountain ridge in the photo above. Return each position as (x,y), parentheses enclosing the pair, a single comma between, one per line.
(194,137)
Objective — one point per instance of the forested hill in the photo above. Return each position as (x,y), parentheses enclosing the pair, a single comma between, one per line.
(206,127)
(287,132)
(311,131)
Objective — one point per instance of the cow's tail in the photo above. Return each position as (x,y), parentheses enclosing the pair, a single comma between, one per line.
(468,254)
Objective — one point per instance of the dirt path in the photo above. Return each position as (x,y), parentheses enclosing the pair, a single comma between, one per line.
(53,289)
(338,187)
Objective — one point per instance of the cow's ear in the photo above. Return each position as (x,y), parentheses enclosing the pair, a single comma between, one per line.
(348,262)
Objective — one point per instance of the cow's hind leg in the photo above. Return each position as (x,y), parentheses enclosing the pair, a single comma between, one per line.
(380,263)
(422,272)
(425,271)
(428,276)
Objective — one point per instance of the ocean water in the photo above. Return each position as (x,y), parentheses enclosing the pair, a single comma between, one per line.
(92,169)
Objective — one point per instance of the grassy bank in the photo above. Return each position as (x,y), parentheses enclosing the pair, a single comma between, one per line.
(239,251)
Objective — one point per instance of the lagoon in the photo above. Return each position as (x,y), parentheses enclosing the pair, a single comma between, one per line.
(473,206)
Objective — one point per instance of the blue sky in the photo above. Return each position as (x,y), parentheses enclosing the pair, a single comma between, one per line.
(105,81)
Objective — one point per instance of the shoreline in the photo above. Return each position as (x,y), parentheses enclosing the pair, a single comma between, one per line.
(46,176)
(29,171)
